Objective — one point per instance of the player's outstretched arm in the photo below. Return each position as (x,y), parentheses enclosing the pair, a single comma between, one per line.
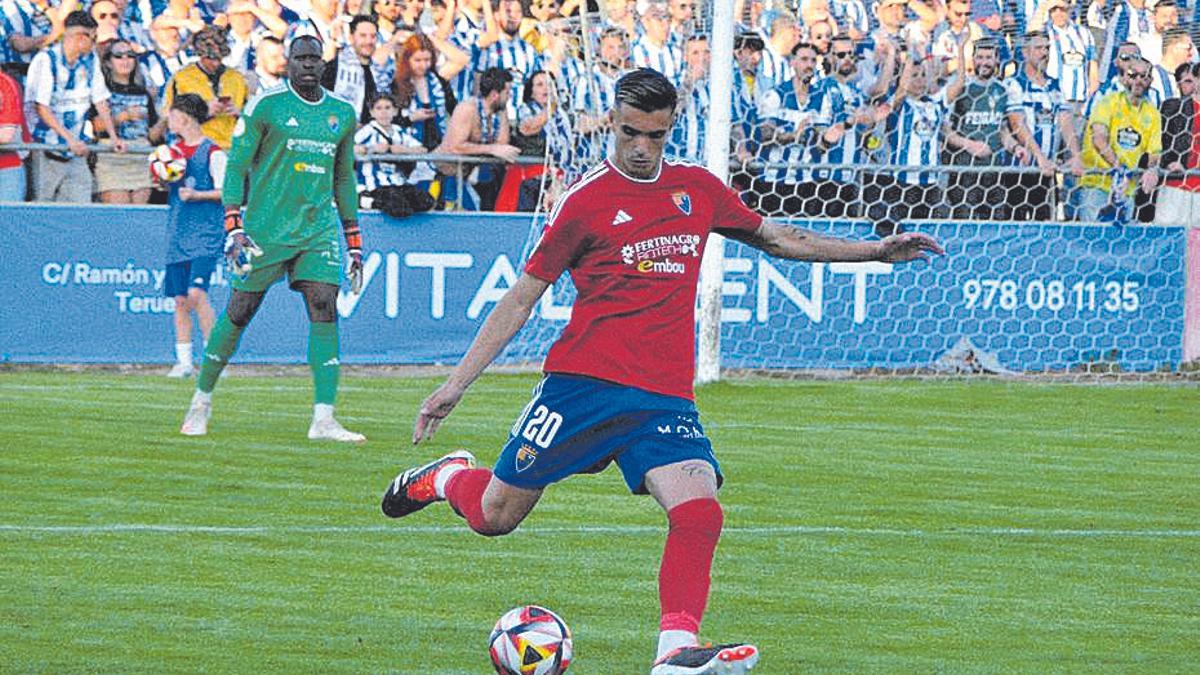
(501,325)
(794,243)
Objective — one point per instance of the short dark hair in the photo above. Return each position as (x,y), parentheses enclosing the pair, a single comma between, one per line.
(191,105)
(362,18)
(493,79)
(80,19)
(806,45)
(299,38)
(647,90)
(1184,68)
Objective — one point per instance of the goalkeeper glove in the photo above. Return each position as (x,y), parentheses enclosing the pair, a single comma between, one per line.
(354,249)
(355,271)
(240,249)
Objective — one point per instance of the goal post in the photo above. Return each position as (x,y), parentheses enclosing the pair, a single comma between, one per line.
(708,347)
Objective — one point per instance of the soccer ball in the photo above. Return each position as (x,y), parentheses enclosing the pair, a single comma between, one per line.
(167,164)
(530,640)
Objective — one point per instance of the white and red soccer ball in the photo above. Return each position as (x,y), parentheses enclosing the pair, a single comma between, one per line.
(530,640)
(167,164)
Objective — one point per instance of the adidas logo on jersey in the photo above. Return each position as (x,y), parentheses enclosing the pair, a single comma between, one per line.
(621,218)
(292,122)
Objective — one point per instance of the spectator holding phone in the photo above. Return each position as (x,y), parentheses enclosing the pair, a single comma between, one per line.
(223,89)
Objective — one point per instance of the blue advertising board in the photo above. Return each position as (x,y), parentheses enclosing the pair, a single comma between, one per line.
(83,284)
(1037,297)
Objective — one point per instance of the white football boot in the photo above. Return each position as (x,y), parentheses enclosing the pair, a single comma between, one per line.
(181,370)
(195,423)
(329,429)
(728,659)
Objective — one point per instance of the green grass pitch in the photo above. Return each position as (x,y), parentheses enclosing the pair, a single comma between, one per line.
(871,526)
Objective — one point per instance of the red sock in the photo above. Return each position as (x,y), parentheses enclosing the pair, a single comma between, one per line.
(683,579)
(464,491)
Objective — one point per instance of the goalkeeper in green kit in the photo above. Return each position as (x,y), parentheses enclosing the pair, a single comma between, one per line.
(292,157)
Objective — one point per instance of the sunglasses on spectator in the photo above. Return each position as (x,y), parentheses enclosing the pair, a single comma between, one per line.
(1138,76)
(121,54)
(842,55)
(107,15)
(1126,57)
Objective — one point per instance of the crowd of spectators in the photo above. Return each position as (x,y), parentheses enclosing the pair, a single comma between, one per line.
(884,109)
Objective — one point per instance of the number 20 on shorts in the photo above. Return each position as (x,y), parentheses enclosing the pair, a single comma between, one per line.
(538,425)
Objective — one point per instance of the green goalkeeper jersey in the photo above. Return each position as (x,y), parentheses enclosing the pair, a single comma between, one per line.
(290,160)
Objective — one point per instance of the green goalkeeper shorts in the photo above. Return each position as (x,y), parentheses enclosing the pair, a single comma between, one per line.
(316,262)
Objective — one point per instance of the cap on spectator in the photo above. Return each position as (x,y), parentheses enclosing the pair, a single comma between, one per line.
(889,3)
(191,105)
(1057,3)
(749,40)
(209,43)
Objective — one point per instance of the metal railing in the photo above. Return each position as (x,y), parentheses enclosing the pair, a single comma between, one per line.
(1060,196)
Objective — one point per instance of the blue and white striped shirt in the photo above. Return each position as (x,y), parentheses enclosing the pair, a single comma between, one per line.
(373,174)
(690,133)
(515,55)
(595,99)
(310,26)
(436,103)
(1072,49)
(1039,106)
(20,17)
(466,37)
(1163,84)
(773,70)
(914,137)
(1127,23)
(850,14)
(158,70)
(68,90)
(664,59)
(787,112)
(834,102)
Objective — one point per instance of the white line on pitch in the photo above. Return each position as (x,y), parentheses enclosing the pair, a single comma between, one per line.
(168,528)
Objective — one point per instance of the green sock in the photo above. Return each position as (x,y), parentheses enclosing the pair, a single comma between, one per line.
(323,359)
(221,345)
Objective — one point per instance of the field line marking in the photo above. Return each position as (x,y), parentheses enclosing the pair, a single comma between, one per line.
(168,528)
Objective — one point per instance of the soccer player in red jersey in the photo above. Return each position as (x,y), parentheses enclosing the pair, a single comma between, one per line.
(618,382)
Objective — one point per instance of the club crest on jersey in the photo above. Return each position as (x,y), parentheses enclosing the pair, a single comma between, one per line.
(334,124)
(683,202)
(526,456)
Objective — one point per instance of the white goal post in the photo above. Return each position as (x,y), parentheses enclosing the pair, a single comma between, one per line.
(708,349)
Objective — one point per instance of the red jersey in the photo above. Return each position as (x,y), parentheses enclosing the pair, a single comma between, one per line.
(12,112)
(633,248)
